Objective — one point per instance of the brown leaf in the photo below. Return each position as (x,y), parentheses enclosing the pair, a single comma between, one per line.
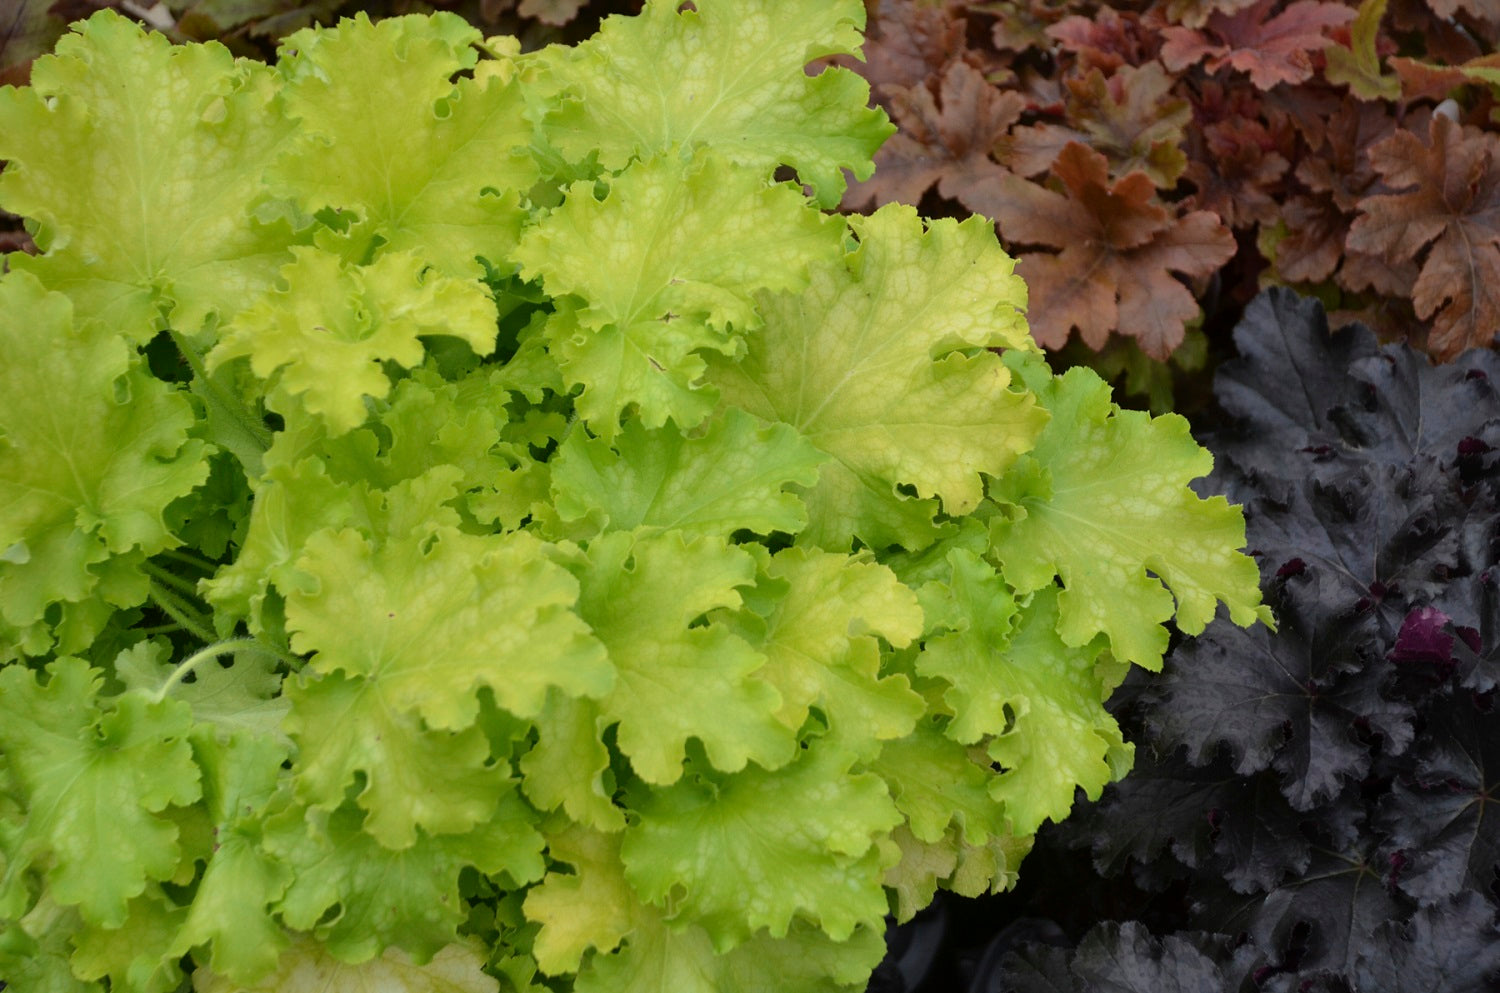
(1314,242)
(1376,273)
(1131,116)
(907,43)
(1119,251)
(1270,51)
(1195,13)
(554,12)
(1107,40)
(1444,39)
(1448,205)
(27,30)
(1023,24)
(1422,80)
(1237,160)
(944,140)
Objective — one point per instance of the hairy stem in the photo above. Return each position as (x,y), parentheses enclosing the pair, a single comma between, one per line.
(186,617)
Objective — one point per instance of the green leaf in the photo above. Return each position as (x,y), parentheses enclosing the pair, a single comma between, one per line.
(665,265)
(293,502)
(1104,498)
(230,911)
(736,853)
(1358,66)
(309,966)
(880,364)
(94,783)
(35,949)
(92,448)
(324,332)
(659,956)
(821,639)
(1062,739)
(981,611)
(728,75)
(677,679)
(240,697)
(937,785)
(351,730)
(431,166)
(142,162)
(408,899)
(734,475)
(432,618)
(140,953)
(569,765)
(590,906)
(594,907)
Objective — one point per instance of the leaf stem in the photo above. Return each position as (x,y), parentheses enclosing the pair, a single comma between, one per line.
(211,652)
(229,406)
(183,586)
(189,619)
(187,558)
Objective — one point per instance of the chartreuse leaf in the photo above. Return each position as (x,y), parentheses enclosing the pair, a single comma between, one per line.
(729,75)
(225,699)
(959,866)
(140,954)
(1104,498)
(569,767)
(588,905)
(589,908)
(821,637)
(430,166)
(937,783)
(980,610)
(755,849)
(353,729)
(324,332)
(1358,66)
(294,502)
(734,475)
(676,679)
(665,265)
(92,448)
(880,364)
(230,911)
(432,618)
(1062,739)
(308,966)
(94,782)
(291,503)
(34,950)
(661,956)
(408,898)
(142,161)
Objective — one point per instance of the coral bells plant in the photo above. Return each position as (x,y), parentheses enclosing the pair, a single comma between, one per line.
(466,524)
(1142,156)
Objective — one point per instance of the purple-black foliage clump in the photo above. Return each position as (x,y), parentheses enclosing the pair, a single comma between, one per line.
(1325,797)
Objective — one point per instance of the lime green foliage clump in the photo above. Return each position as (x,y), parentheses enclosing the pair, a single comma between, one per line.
(465,526)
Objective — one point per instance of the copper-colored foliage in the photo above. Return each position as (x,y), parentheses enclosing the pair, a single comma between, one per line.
(1270,49)
(944,139)
(1448,207)
(1131,116)
(1119,250)
(1130,149)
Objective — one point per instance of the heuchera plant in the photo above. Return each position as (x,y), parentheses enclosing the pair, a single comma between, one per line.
(465,524)
(1349,148)
(1324,794)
